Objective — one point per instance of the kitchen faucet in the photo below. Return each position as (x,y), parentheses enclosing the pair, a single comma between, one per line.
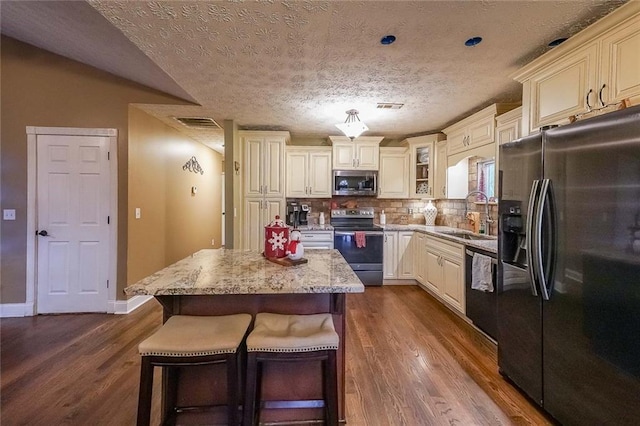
(486,206)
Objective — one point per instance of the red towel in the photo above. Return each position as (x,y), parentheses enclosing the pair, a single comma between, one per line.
(361,239)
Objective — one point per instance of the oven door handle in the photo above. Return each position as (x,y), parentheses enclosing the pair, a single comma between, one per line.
(340,233)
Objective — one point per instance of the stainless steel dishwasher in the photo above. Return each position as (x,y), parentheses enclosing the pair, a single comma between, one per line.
(481,306)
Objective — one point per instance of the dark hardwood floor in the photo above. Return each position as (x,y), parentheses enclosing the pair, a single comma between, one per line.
(410,361)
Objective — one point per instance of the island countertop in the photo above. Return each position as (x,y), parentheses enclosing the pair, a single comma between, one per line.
(230,271)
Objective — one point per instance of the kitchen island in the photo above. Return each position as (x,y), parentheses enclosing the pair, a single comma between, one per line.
(225,281)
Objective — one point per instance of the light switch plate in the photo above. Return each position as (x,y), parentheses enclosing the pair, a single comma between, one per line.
(138,213)
(9,214)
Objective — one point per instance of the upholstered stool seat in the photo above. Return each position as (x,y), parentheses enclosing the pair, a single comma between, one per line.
(291,338)
(188,341)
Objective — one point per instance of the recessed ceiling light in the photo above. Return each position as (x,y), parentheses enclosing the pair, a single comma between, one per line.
(557,41)
(474,41)
(388,39)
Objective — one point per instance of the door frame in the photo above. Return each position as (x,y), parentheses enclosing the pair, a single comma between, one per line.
(32,135)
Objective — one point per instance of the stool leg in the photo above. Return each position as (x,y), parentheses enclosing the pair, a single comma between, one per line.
(249,412)
(232,389)
(144,395)
(331,389)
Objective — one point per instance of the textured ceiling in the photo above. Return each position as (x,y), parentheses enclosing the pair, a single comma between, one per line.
(299,65)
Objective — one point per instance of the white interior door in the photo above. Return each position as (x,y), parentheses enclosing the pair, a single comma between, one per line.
(72,223)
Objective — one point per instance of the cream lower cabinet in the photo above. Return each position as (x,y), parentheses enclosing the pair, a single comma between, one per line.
(259,212)
(419,257)
(308,172)
(445,271)
(317,239)
(398,255)
(393,180)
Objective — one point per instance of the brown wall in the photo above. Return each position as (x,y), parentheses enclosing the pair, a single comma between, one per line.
(43,89)
(173,222)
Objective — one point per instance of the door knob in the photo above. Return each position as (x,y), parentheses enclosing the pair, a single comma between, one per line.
(43,233)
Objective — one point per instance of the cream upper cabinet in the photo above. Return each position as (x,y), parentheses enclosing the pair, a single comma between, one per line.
(393,178)
(440,182)
(620,66)
(595,68)
(564,89)
(474,131)
(422,165)
(508,126)
(360,154)
(308,172)
(264,168)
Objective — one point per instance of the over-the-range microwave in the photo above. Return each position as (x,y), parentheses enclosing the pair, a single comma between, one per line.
(355,182)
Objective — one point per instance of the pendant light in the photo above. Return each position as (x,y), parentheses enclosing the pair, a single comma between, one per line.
(352,126)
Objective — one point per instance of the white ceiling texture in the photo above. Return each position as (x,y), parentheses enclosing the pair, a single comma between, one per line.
(299,65)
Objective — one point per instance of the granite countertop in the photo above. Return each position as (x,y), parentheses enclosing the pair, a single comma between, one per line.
(228,271)
(437,231)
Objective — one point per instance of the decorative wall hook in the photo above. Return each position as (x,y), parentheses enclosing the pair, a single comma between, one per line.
(193,166)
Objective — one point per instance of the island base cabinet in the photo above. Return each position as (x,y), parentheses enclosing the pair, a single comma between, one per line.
(281,381)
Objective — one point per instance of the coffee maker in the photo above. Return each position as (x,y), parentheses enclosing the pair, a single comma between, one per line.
(297,214)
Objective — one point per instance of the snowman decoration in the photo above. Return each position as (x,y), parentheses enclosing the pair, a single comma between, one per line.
(295,250)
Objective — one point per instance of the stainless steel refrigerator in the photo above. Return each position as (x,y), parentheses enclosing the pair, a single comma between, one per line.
(569,269)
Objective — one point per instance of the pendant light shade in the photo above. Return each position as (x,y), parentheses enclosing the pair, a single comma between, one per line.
(352,127)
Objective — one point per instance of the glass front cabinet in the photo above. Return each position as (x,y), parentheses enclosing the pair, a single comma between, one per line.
(422,170)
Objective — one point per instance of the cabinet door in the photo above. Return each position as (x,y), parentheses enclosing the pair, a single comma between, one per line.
(343,156)
(440,178)
(272,207)
(421,170)
(390,256)
(620,67)
(393,182)
(453,283)
(508,132)
(457,141)
(564,89)
(319,175)
(367,156)
(274,167)
(297,169)
(481,132)
(419,258)
(253,166)
(434,272)
(253,238)
(405,247)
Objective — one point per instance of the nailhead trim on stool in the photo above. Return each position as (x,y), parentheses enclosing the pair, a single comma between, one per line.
(186,340)
(291,338)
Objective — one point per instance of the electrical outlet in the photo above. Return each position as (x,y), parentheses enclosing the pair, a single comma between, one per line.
(9,214)
(410,211)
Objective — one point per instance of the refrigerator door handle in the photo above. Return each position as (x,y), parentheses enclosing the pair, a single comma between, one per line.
(544,197)
(530,243)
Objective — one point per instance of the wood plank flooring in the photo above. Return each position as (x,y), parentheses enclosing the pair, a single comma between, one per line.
(410,361)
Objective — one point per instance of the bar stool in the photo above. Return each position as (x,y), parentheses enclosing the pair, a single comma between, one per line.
(190,341)
(291,338)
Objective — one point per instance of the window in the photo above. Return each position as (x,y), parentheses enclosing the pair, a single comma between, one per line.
(487,177)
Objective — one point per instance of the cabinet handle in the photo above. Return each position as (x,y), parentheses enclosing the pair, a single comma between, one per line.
(587,99)
(358,162)
(353,162)
(444,190)
(309,190)
(600,95)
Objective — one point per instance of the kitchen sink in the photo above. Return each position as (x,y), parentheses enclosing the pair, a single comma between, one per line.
(467,235)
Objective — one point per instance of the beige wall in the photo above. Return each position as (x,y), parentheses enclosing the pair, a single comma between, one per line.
(174,223)
(43,89)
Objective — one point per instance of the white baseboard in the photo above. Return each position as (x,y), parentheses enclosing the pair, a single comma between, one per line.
(127,306)
(12,310)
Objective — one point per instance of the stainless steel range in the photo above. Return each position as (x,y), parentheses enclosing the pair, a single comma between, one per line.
(360,242)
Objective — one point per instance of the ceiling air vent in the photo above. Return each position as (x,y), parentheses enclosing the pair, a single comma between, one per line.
(389,105)
(199,122)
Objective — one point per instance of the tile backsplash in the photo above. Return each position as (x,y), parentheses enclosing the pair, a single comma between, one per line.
(404,212)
